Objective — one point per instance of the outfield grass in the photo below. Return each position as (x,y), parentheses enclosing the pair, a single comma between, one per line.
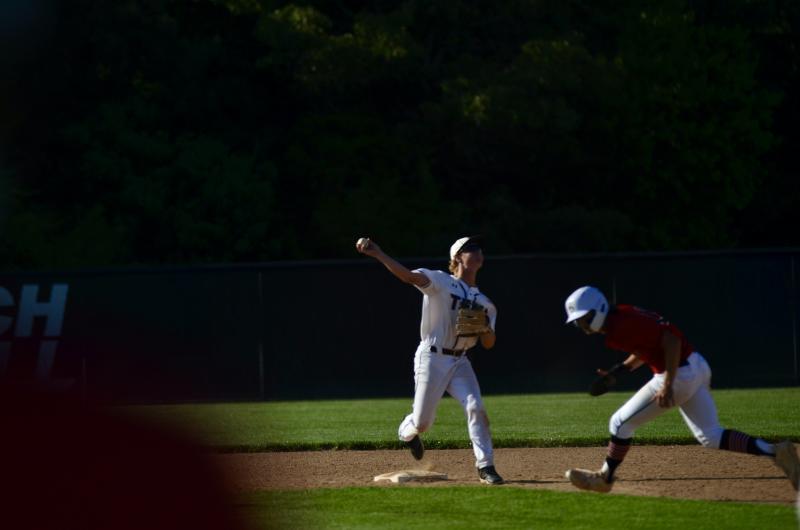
(498,508)
(539,420)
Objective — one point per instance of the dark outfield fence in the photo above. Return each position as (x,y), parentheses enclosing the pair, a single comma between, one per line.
(349,329)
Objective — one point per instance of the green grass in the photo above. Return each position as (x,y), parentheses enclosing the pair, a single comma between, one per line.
(540,420)
(501,508)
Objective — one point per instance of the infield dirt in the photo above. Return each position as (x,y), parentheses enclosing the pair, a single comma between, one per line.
(686,472)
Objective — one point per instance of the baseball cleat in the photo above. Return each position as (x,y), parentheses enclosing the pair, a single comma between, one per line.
(786,459)
(417,449)
(588,480)
(489,475)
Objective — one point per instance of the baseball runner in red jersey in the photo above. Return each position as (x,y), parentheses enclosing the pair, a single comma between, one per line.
(681,378)
(455,316)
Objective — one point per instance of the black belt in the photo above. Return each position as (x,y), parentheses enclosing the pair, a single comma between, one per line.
(684,362)
(454,353)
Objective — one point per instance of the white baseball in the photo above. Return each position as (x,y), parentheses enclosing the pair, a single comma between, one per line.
(363,243)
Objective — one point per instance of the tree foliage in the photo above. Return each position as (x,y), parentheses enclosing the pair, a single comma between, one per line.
(247,130)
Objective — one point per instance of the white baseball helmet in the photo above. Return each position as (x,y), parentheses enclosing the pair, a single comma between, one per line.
(587,299)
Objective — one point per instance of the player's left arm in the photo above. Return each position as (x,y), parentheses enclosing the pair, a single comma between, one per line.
(671,346)
(631,363)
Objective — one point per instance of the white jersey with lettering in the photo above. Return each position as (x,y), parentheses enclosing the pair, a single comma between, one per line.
(443,296)
(440,363)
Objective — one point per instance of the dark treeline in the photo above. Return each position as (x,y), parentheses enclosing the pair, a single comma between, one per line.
(156,131)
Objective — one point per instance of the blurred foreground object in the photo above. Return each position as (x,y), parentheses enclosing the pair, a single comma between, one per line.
(69,465)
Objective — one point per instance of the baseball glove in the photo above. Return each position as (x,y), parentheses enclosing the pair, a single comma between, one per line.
(602,384)
(471,322)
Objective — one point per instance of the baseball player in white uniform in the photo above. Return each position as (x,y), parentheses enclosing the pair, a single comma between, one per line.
(681,378)
(455,316)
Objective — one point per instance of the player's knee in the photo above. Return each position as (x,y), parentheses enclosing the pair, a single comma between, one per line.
(474,410)
(614,424)
(620,428)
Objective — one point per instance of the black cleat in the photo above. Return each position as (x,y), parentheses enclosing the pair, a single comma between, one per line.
(489,475)
(417,449)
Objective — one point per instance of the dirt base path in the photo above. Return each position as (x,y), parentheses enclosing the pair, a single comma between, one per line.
(686,472)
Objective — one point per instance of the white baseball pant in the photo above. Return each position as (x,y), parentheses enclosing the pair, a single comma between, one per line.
(691,391)
(435,374)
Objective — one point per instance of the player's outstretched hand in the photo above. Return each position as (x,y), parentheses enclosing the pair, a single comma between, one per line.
(366,246)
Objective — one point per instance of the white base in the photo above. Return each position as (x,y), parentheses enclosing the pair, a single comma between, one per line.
(408,475)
